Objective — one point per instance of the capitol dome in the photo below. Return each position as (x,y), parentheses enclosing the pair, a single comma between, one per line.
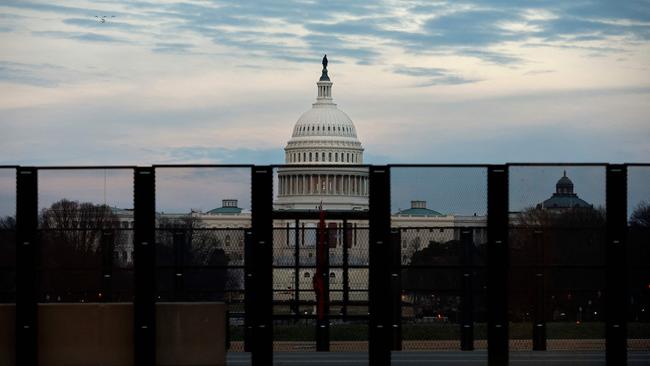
(323,135)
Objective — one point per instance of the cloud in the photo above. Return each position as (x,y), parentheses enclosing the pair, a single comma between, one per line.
(93,23)
(45,75)
(433,76)
(538,72)
(225,156)
(169,47)
(182,78)
(80,36)
(360,30)
(500,58)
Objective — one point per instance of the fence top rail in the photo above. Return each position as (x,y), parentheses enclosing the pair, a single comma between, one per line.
(550,164)
(312,166)
(156,166)
(399,165)
(82,167)
(439,165)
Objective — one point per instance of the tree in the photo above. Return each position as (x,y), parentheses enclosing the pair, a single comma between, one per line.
(638,257)
(7,223)
(71,237)
(640,217)
(433,290)
(7,259)
(561,240)
(185,242)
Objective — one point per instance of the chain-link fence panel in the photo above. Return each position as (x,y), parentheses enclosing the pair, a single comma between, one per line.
(557,243)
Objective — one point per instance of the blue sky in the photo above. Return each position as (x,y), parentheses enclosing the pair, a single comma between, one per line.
(224,81)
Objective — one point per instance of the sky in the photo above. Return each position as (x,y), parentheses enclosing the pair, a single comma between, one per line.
(224,81)
(448,190)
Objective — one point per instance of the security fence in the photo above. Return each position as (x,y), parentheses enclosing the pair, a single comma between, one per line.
(515,257)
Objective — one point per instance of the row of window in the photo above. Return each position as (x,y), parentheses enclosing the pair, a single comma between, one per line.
(325,157)
(346,129)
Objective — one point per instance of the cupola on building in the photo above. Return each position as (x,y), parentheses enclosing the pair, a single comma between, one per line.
(564,197)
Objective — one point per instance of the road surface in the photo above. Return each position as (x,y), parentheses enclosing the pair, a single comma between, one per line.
(473,358)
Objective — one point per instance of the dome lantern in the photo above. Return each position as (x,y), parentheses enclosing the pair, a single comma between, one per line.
(324,86)
(564,185)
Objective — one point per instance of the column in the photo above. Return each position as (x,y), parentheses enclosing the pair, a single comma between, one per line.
(347,185)
(337,188)
(309,183)
(329,183)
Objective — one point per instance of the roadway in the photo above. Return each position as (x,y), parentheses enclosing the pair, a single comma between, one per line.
(474,358)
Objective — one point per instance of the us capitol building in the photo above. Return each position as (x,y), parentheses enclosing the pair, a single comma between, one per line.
(322,166)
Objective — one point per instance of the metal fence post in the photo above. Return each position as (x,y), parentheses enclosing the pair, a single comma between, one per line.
(346,269)
(180,236)
(144,304)
(296,272)
(108,246)
(322,320)
(249,291)
(539,310)
(467,290)
(498,265)
(262,271)
(616,278)
(26,259)
(379,344)
(396,289)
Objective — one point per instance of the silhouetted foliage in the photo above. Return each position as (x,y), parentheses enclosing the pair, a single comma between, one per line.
(572,237)
(641,215)
(638,244)
(430,291)
(8,223)
(71,238)
(7,259)
(184,241)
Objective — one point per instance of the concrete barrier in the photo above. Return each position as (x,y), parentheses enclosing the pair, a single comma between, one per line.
(7,334)
(85,334)
(190,334)
(102,334)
